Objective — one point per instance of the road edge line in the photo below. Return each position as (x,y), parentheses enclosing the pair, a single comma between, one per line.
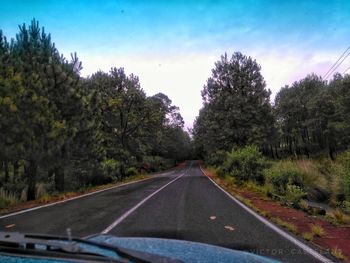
(284,234)
(131,210)
(71,199)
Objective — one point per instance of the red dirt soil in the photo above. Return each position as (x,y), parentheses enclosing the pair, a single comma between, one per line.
(335,237)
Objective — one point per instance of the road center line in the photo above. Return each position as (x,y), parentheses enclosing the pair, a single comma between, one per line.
(287,236)
(131,210)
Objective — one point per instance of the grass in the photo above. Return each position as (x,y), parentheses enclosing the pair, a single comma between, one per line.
(308,236)
(289,226)
(317,230)
(7,199)
(340,217)
(338,253)
(303,205)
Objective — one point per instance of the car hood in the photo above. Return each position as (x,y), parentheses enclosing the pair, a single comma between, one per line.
(185,251)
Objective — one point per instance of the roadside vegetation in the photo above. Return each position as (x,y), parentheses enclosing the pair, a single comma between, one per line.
(293,182)
(61,132)
(282,157)
(294,150)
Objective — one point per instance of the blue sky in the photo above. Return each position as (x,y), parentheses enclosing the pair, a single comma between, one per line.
(172,45)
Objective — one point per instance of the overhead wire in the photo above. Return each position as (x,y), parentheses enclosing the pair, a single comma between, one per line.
(336,64)
(345,70)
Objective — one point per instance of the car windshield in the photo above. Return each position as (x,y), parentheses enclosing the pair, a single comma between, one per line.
(141,124)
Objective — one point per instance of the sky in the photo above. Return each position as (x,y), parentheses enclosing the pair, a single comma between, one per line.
(172,45)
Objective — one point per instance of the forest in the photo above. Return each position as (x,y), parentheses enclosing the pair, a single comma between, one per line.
(61,132)
(292,149)
(307,119)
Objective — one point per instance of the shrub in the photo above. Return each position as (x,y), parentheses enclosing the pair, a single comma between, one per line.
(245,164)
(317,230)
(338,253)
(156,163)
(216,159)
(294,194)
(303,205)
(283,173)
(7,199)
(110,167)
(131,171)
(308,236)
(339,176)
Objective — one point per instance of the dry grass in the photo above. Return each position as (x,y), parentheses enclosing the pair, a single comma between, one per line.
(317,230)
(338,253)
(340,217)
(303,205)
(7,199)
(289,226)
(311,174)
(308,236)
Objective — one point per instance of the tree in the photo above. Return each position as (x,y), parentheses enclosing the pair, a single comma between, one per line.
(236,109)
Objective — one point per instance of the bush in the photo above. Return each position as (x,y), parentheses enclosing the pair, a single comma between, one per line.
(7,199)
(245,164)
(284,173)
(156,163)
(216,159)
(344,160)
(110,167)
(131,171)
(294,194)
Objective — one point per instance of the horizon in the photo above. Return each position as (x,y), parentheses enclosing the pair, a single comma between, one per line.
(172,47)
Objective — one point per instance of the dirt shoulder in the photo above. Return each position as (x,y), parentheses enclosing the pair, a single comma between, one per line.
(332,238)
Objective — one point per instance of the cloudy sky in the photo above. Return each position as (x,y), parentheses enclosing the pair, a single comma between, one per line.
(172,45)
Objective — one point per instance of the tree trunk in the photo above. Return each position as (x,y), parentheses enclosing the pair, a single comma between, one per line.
(15,171)
(59,179)
(276,152)
(6,170)
(271,150)
(122,171)
(30,171)
(331,153)
(307,152)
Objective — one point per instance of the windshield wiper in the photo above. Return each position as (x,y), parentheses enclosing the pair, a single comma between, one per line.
(45,245)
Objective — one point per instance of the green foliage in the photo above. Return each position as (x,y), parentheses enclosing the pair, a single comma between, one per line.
(131,171)
(59,130)
(7,199)
(216,159)
(236,110)
(245,164)
(156,163)
(344,160)
(294,194)
(282,174)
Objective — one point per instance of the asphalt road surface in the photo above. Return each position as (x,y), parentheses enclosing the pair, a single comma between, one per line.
(179,204)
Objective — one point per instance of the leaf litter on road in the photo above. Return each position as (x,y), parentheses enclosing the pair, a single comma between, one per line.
(230,228)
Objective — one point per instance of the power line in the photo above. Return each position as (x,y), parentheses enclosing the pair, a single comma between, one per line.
(338,65)
(331,69)
(345,70)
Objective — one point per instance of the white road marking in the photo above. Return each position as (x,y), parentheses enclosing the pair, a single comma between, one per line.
(131,210)
(290,238)
(70,199)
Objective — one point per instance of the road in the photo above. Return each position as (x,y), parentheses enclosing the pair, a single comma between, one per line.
(180,204)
